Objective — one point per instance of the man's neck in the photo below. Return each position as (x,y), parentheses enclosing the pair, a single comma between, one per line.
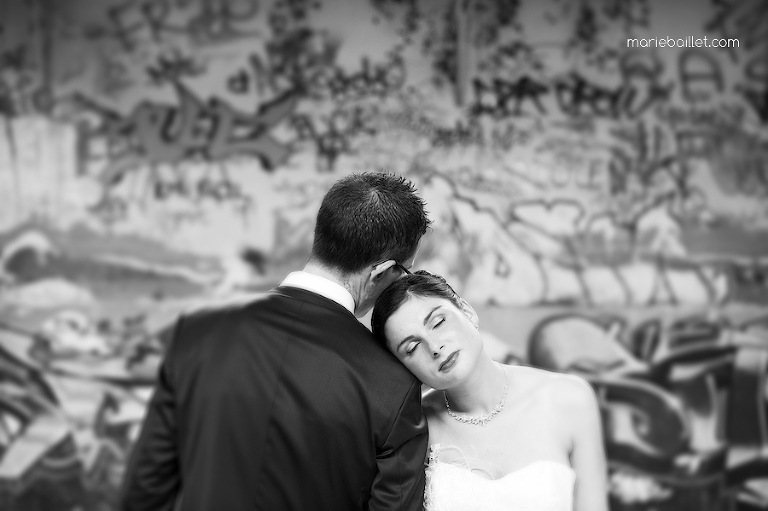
(322,271)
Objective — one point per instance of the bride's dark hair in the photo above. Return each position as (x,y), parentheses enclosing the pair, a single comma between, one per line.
(420,283)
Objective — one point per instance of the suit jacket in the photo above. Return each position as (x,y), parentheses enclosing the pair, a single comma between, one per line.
(286,402)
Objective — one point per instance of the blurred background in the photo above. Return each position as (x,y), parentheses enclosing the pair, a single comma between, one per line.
(602,207)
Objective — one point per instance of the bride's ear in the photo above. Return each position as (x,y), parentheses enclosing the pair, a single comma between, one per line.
(467,309)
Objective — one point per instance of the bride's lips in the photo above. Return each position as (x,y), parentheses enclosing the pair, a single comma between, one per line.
(450,361)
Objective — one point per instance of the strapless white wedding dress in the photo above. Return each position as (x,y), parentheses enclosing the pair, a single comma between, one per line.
(539,486)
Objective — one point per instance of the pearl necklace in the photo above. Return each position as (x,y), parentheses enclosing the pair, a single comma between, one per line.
(482,420)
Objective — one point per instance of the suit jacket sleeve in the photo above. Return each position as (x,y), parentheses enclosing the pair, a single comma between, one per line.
(399,483)
(152,478)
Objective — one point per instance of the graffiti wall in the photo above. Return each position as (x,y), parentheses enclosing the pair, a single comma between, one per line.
(597,172)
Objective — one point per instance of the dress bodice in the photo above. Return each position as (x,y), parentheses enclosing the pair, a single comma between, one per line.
(538,486)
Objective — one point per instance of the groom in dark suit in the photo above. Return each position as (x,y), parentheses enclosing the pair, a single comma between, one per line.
(287,402)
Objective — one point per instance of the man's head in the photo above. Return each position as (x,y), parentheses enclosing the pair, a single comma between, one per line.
(368,224)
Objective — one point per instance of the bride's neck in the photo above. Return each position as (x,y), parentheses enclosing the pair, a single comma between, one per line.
(481,391)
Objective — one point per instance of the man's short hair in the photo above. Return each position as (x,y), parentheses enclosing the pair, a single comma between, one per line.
(366,217)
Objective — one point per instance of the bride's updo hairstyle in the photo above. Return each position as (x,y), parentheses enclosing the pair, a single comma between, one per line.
(420,283)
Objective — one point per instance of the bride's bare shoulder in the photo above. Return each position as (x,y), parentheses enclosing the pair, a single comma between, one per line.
(564,388)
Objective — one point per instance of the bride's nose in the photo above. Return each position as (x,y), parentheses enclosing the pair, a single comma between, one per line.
(436,349)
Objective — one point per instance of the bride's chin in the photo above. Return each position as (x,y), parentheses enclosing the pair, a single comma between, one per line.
(435,384)
(443,383)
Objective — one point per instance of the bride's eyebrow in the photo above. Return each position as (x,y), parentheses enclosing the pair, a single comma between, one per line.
(414,337)
(427,318)
(407,339)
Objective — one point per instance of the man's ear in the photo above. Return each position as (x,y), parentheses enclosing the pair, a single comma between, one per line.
(467,309)
(380,269)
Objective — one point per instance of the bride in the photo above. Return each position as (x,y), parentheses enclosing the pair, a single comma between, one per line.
(502,438)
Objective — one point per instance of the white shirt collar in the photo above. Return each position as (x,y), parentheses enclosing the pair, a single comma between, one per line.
(321,286)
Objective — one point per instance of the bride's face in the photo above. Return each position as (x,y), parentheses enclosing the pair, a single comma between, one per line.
(436,340)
